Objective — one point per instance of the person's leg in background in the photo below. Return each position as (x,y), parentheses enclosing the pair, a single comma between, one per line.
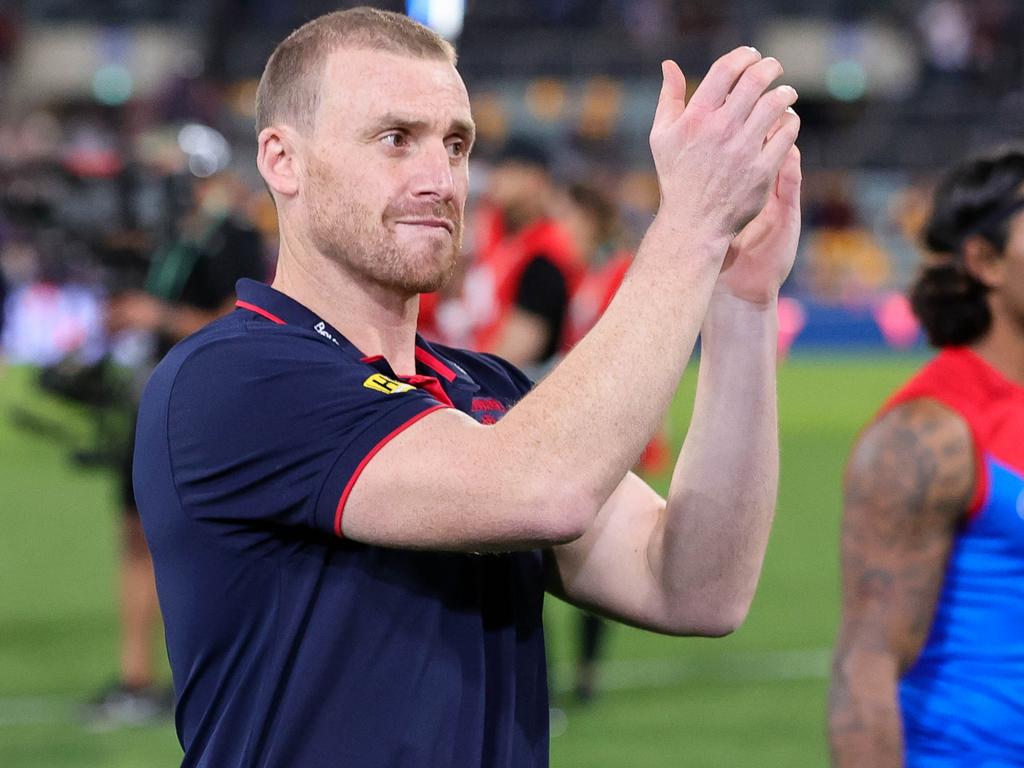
(592,635)
(140,611)
(136,696)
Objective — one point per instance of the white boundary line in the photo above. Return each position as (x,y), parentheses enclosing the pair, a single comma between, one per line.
(617,675)
(37,710)
(738,667)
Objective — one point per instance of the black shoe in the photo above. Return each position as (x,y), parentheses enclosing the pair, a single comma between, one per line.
(120,705)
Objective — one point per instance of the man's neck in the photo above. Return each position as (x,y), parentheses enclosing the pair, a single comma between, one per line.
(373,318)
(1003,348)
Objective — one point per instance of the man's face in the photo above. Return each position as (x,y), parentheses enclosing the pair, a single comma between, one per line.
(386,168)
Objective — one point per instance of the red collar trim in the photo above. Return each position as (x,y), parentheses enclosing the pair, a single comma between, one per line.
(259,311)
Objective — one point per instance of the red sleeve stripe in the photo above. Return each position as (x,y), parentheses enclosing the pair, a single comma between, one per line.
(259,311)
(366,460)
(428,359)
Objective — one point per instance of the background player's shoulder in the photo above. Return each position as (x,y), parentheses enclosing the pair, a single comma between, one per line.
(955,377)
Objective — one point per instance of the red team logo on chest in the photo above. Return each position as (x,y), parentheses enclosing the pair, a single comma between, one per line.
(487,410)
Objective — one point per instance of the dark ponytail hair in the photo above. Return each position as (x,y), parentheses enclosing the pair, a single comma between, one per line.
(977,197)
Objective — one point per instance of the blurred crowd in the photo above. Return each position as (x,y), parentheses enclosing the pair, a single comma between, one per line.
(96,179)
(81,220)
(84,210)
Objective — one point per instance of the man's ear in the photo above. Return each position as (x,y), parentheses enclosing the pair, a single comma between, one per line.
(984,263)
(277,161)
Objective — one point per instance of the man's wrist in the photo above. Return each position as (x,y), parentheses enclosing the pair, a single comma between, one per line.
(679,232)
(756,302)
(730,316)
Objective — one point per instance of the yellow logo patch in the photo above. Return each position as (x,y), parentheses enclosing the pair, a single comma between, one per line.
(388,386)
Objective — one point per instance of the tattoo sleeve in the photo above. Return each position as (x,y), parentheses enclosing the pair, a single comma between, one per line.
(907,487)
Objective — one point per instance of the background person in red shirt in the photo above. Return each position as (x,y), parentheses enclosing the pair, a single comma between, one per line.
(529,266)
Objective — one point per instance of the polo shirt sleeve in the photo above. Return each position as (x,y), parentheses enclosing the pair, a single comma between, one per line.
(279,434)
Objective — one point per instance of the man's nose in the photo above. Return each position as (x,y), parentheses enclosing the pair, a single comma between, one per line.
(434,174)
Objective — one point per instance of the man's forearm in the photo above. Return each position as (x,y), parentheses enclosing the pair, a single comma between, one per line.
(602,404)
(722,497)
(864,725)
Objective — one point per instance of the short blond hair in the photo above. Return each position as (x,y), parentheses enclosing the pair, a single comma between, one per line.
(289,89)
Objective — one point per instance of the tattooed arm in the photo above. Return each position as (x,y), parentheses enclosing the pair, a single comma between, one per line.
(907,487)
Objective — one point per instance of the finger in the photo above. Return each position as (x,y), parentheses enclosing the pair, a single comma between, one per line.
(778,124)
(770,110)
(777,148)
(751,85)
(672,100)
(787,187)
(720,79)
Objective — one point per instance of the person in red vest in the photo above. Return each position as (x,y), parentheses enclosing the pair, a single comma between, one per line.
(531,267)
(592,221)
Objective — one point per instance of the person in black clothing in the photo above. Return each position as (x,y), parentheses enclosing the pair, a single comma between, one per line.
(190,282)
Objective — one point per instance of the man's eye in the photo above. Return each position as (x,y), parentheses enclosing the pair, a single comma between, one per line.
(395,140)
(456,148)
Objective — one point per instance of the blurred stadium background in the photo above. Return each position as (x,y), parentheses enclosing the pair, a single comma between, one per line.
(111,110)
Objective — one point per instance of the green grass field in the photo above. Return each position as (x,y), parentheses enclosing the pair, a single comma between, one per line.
(755,698)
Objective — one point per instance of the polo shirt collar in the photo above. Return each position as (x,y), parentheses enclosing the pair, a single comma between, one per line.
(284,310)
(446,370)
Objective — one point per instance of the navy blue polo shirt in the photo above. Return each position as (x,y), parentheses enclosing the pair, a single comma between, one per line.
(290,645)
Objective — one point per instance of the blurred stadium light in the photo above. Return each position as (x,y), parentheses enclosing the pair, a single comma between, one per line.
(443,16)
(207,149)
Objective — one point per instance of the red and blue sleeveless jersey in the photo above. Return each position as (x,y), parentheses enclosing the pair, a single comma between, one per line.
(962,701)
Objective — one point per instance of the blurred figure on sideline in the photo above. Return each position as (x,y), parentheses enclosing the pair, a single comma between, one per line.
(531,264)
(190,282)
(592,222)
(928,666)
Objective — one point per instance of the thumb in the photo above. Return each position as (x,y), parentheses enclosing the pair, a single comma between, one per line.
(672,100)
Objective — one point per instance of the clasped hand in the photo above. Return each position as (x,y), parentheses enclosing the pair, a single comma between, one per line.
(728,166)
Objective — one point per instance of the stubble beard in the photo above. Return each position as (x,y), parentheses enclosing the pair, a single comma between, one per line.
(351,235)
